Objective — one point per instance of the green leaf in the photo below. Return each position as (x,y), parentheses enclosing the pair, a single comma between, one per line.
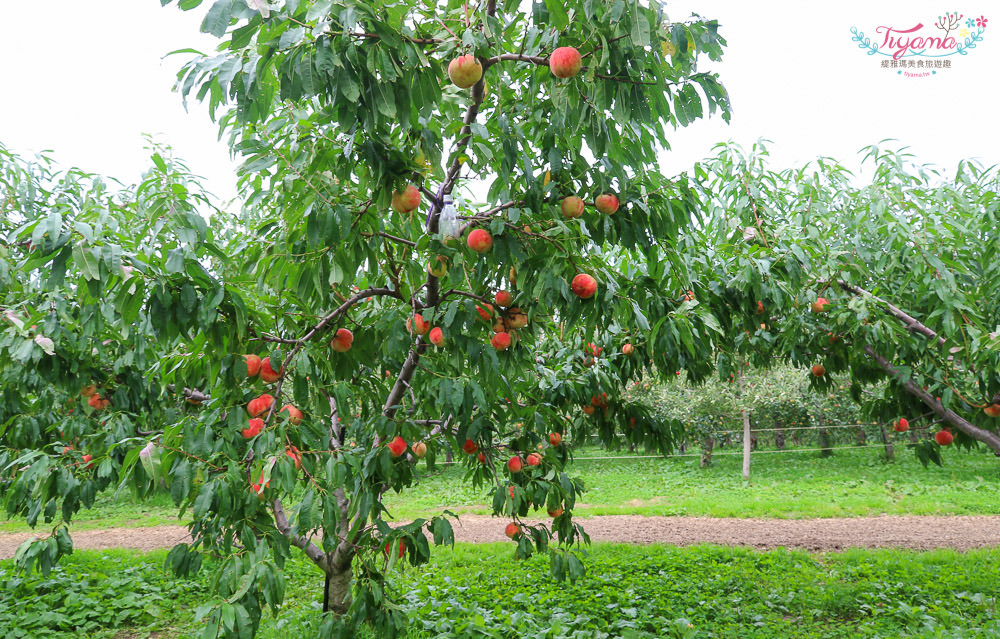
(217,19)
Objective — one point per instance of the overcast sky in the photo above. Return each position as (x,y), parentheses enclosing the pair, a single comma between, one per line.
(88,79)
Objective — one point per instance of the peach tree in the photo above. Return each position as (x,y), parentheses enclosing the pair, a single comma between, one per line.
(889,277)
(452,235)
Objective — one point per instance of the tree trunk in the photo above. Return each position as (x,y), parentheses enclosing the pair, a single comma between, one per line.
(707,444)
(890,452)
(824,440)
(779,439)
(860,437)
(337,597)
(682,449)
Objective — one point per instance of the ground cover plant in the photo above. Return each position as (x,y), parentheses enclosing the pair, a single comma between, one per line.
(698,592)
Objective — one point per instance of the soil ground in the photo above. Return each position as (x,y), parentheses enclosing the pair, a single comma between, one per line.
(912,532)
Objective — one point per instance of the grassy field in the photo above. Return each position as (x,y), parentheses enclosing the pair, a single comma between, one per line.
(791,485)
(698,592)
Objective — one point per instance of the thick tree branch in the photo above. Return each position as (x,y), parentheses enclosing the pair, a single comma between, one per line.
(912,324)
(454,167)
(392,402)
(946,415)
(312,550)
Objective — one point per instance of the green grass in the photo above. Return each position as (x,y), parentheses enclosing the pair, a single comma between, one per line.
(701,592)
(111,510)
(852,483)
(793,485)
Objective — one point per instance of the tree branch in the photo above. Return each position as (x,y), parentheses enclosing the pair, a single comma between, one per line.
(912,324)
(312,550)
(946,415)
(390,237)
(455,291)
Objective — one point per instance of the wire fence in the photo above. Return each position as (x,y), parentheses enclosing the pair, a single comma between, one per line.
(740,452)
(755,451)
(828,427)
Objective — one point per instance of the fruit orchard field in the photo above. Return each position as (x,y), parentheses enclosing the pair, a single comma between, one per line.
(698,592)
(852,483)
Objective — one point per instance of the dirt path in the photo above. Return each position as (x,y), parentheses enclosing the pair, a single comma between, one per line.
(919,533)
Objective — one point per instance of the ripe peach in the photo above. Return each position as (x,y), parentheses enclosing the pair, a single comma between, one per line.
(402,548)
(565,62)
(993,410)
(534,459)
(419,450)
(470,447)
(260,405)
(417,324)
(555,512)
(944,438)
(257,488)
(588,410)
(397,446)
(267,373)
(606,203)
(296,456)
(516,318)
(407,200)
(437,336)
(254,426)
(294,414)
(465,71)
(819,306)
(571,207)
(342,340)
(253,365)
(760,307)
(514,464)
(584,286)
(479,240)
(485,312)
(902,425)
(88,390)
(503,298)
(555,438)
(512,530)
(818,370)
(627,349)
(501,341)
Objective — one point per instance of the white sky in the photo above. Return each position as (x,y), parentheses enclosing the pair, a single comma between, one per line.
(88,79)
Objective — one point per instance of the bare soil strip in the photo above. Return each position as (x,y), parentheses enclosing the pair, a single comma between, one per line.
(912,532)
